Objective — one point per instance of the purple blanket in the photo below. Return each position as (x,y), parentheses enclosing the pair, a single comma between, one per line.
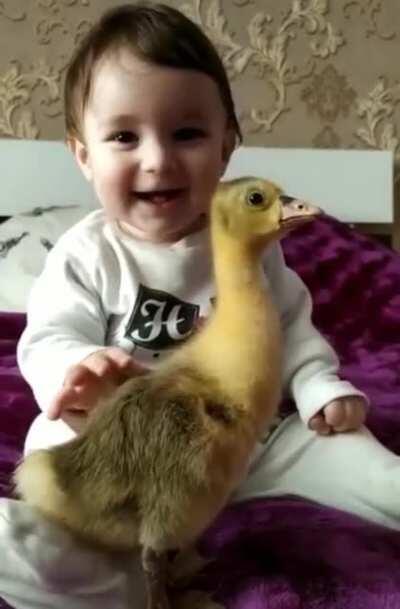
(288,553)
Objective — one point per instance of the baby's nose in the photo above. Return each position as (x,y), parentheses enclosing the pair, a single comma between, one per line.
(155,156)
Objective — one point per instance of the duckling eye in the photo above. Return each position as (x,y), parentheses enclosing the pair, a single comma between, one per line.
(255,198)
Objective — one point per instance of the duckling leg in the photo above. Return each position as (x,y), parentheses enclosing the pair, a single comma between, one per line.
(155,570)
(185,566)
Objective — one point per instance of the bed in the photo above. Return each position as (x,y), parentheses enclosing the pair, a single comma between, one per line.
(283,553)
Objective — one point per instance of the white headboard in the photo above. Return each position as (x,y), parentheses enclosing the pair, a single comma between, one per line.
(38,174)
(353,185)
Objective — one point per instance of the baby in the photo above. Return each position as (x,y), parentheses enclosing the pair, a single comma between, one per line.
(151,123)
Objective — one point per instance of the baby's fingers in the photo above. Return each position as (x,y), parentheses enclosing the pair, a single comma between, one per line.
(335,415)
(63,400)
(76,419)
(112,365)
(79,390)
(319,425)
(355,416)
(79,375)
(124,362)
(345,414)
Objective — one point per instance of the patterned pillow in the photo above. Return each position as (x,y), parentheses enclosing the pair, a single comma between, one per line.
(25,240)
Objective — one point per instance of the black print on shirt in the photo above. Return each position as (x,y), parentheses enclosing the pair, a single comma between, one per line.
(46,243)
(39,211)
(9,244)
(160,320)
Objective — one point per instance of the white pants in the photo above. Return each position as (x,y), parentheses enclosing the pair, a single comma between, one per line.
(43,567)
(349,471)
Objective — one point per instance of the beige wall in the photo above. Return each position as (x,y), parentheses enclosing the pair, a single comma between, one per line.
(313,73)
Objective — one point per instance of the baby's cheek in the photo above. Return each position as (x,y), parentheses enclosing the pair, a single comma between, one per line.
(117,185)
(207,185)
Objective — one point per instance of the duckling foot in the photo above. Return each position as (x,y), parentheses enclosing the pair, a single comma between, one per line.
(155,570)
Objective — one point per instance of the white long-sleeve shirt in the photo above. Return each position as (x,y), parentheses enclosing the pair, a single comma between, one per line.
(102,287)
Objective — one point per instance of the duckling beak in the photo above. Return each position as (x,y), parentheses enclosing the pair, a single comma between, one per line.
(295,212)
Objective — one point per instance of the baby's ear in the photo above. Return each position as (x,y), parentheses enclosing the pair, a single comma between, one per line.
(81,155)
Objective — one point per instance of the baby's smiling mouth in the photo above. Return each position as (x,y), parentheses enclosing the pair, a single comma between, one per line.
(158,197)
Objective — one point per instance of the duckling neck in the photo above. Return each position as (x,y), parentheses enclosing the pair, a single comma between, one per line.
(241,344)
(237,269)
(243,301)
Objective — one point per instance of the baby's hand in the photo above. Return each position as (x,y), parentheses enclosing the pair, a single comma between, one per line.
(91,379)
(343,414)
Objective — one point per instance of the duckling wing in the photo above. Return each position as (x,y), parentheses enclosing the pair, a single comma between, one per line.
(163,453)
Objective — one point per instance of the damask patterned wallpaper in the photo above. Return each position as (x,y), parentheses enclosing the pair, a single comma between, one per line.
(312,73)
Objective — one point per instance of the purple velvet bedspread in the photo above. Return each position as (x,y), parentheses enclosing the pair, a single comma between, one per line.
(288,553)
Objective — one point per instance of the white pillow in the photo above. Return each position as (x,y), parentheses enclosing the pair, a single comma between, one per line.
(25,240)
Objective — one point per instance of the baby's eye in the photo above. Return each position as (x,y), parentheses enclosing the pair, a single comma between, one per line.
(188,133)
(124,137)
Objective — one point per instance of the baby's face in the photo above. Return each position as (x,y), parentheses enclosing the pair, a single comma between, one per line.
(156,144)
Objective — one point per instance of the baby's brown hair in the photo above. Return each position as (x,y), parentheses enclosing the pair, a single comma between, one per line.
(156,33)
